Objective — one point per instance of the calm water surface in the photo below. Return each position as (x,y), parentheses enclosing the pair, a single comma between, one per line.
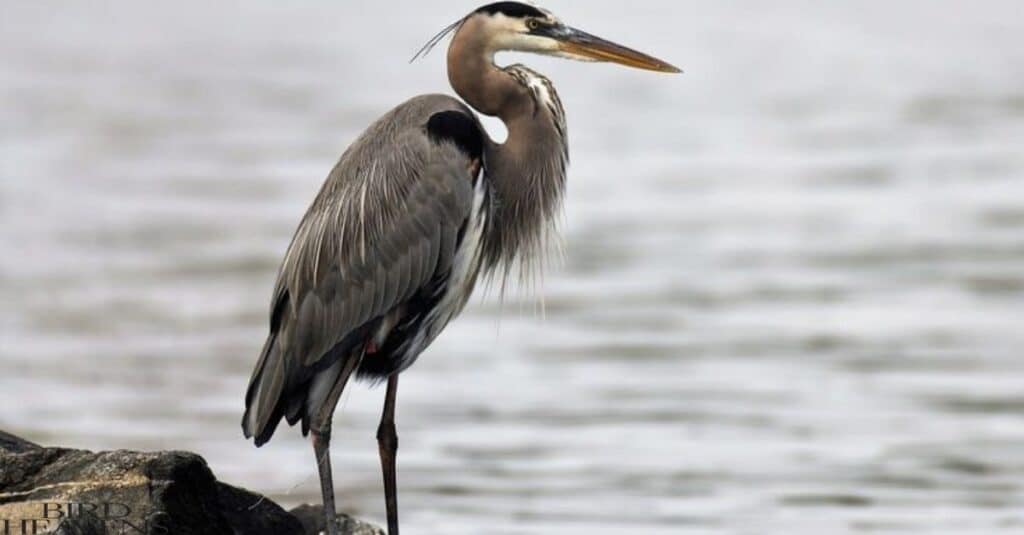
(792,297)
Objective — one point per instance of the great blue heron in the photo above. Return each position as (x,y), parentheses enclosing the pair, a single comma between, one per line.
(418,206)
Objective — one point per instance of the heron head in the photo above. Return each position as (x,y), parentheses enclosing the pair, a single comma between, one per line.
(522,27)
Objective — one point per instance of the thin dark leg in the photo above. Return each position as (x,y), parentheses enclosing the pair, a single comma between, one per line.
(387,442)
(320,426)
(322,449)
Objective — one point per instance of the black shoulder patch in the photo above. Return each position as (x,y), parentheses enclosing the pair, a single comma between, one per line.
(458,128)
(511,9)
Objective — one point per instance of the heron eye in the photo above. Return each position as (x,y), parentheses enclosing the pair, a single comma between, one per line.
(532,24)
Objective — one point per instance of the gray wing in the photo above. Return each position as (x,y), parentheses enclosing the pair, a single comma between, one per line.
(384,224)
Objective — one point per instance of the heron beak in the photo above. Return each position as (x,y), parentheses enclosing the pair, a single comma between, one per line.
(582,44)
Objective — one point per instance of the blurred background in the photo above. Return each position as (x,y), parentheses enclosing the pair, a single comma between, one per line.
(792,299)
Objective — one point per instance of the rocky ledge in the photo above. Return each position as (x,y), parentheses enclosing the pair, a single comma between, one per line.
(78,492)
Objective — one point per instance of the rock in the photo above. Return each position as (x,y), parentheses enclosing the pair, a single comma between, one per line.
(12,444)
(248,512)
(83,524)
(78,492)
(312,519)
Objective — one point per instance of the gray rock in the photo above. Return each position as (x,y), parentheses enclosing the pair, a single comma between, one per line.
(312,519)
(78,492)
(83,524)
(12,444)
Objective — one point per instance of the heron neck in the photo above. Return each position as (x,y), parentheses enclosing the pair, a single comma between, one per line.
(526,173)
(476,79)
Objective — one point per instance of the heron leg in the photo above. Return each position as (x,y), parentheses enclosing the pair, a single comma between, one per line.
(322,449)
(320,427)
(387,442)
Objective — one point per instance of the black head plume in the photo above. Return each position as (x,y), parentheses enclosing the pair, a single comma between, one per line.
(511,9)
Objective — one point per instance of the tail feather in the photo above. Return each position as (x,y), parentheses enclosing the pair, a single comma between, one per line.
(276,391)
(263,408)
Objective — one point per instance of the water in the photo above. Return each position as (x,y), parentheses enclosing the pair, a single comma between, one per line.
(791,301)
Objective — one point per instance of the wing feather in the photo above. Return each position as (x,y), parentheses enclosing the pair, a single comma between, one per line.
(382,227)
